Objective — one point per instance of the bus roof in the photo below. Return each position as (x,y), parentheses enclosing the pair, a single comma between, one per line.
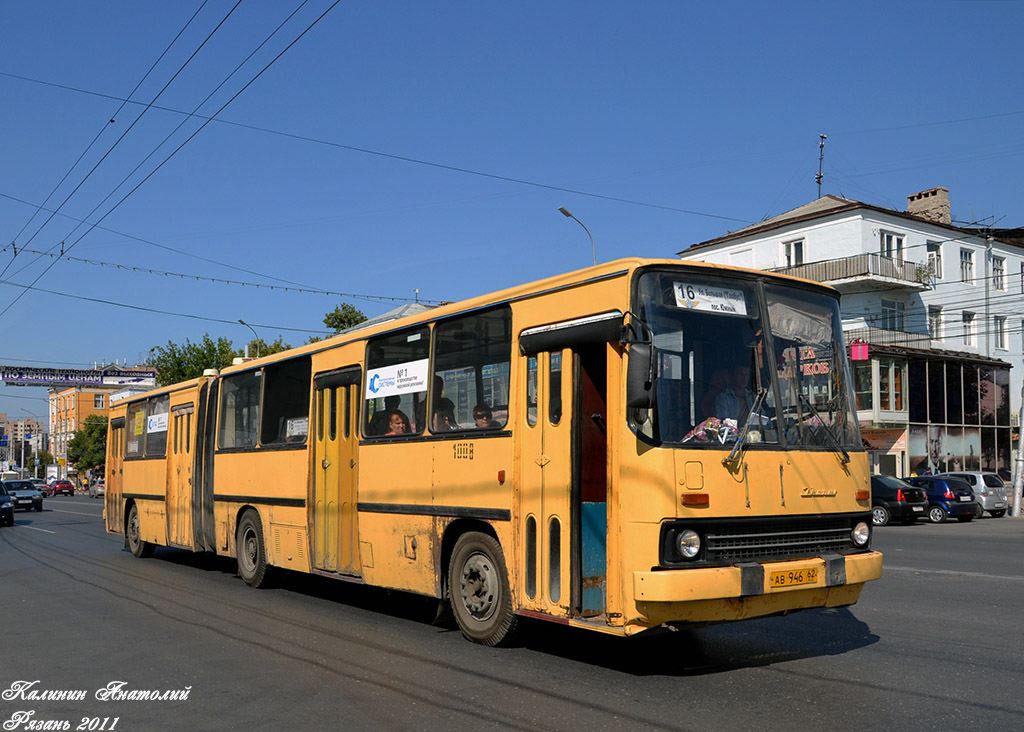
(616,268)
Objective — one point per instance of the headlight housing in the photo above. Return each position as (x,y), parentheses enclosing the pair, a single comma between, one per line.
(861,534)
(688,543)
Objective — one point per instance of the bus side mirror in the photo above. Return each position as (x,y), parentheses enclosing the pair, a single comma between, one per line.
(640,376)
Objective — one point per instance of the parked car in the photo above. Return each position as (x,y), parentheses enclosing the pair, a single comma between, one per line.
(6,507)
(989,491)
(98,489)
(894,500)
(62,486)
(947,496)
(24,495)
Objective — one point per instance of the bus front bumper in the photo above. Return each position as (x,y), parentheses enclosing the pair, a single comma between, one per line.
(747,580)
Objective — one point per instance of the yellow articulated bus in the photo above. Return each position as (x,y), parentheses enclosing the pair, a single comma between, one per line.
(637,445)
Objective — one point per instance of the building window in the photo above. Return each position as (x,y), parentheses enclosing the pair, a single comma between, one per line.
(935,322)
(999,325)
(892,246)
(97,401)
(1022,278)
(794,251)
(891,378)
(892,314)
(968,328)
(999,273)
(967,266)
(935,259)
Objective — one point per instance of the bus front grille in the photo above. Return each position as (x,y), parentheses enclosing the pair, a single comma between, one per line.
(772,538)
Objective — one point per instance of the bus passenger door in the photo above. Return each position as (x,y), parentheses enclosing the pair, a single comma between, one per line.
(563,498)
(179,479)
(334,520)
(115,476)
(545,519)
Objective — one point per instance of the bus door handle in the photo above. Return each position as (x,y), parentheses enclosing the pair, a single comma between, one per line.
(325,463)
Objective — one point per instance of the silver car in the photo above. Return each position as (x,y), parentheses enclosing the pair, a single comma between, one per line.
(989,491)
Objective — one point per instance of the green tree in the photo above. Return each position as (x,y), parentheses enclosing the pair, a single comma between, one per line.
(41,458)
(344,316)
(258,345)
(88,448)
(175,363)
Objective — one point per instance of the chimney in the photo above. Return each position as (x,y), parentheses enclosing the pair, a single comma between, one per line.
(931,204)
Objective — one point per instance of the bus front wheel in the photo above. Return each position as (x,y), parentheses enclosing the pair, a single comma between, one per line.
(478,589)
(252,557)
(140,548)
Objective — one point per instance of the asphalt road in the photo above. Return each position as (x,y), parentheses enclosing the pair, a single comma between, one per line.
(936,644)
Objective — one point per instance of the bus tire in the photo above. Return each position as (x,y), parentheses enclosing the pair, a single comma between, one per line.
(249,549)
(479,592)
(140,548)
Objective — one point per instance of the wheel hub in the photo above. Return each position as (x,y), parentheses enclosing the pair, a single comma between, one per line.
(477,583)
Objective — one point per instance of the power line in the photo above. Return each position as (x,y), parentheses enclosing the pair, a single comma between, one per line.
(102,129)
(170,248)
(177,149)
(407,159)
(132,126)
(127,306)
(216,280)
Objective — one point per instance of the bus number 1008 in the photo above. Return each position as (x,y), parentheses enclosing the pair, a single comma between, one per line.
(463,450)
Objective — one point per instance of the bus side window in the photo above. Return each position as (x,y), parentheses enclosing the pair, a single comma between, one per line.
(397,372)
(472,365)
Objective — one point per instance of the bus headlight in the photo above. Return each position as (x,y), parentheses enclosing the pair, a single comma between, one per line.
(860,534)
(688,543)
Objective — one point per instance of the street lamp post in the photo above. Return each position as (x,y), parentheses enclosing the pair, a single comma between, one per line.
(565,212)
(255,335)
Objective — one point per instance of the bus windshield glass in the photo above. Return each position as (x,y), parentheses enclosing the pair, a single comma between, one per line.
(716,351)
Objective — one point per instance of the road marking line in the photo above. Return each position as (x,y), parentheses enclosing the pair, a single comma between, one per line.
(77,513)
(954,572)
(37,529)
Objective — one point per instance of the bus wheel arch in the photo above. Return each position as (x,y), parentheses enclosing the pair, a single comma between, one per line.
(250,548)
(479,590)
(133,534)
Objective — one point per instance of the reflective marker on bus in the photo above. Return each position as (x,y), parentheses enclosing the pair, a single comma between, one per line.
(638,445)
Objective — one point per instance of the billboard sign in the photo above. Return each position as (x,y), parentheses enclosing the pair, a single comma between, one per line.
(23,376)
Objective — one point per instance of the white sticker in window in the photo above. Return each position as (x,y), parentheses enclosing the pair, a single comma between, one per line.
(297,427)
(402,378)
(710,299)
(157,423)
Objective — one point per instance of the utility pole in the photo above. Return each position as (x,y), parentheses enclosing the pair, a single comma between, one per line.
(821,161)
(1018,473)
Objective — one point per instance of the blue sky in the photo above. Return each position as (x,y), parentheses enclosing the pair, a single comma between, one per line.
(439,140)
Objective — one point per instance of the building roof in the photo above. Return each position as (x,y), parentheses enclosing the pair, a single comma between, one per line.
(829,205)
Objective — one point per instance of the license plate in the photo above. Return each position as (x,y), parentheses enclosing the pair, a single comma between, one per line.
(918,508)
(793,577)
(965,498)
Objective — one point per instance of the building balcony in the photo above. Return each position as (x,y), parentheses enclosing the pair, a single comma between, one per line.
(885,337)
(863,273)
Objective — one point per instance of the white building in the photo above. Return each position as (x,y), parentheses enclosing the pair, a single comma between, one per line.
(940,307)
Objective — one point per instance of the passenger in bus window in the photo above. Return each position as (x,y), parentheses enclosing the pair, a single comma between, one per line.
(442,421)
(482,417)
(398,423)
(737,399)
(379,421)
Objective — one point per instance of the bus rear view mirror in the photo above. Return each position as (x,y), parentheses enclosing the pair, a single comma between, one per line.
(640,376)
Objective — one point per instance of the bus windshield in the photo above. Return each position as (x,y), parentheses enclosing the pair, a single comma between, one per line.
(726,367)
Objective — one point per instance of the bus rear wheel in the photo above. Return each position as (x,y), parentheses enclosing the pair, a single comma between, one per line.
(478,590)
(140,548)
(252,557)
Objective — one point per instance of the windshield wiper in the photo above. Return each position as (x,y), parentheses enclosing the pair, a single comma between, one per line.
(741,439)
(836,444)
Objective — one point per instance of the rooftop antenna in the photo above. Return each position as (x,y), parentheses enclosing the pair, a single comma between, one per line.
(821,160)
